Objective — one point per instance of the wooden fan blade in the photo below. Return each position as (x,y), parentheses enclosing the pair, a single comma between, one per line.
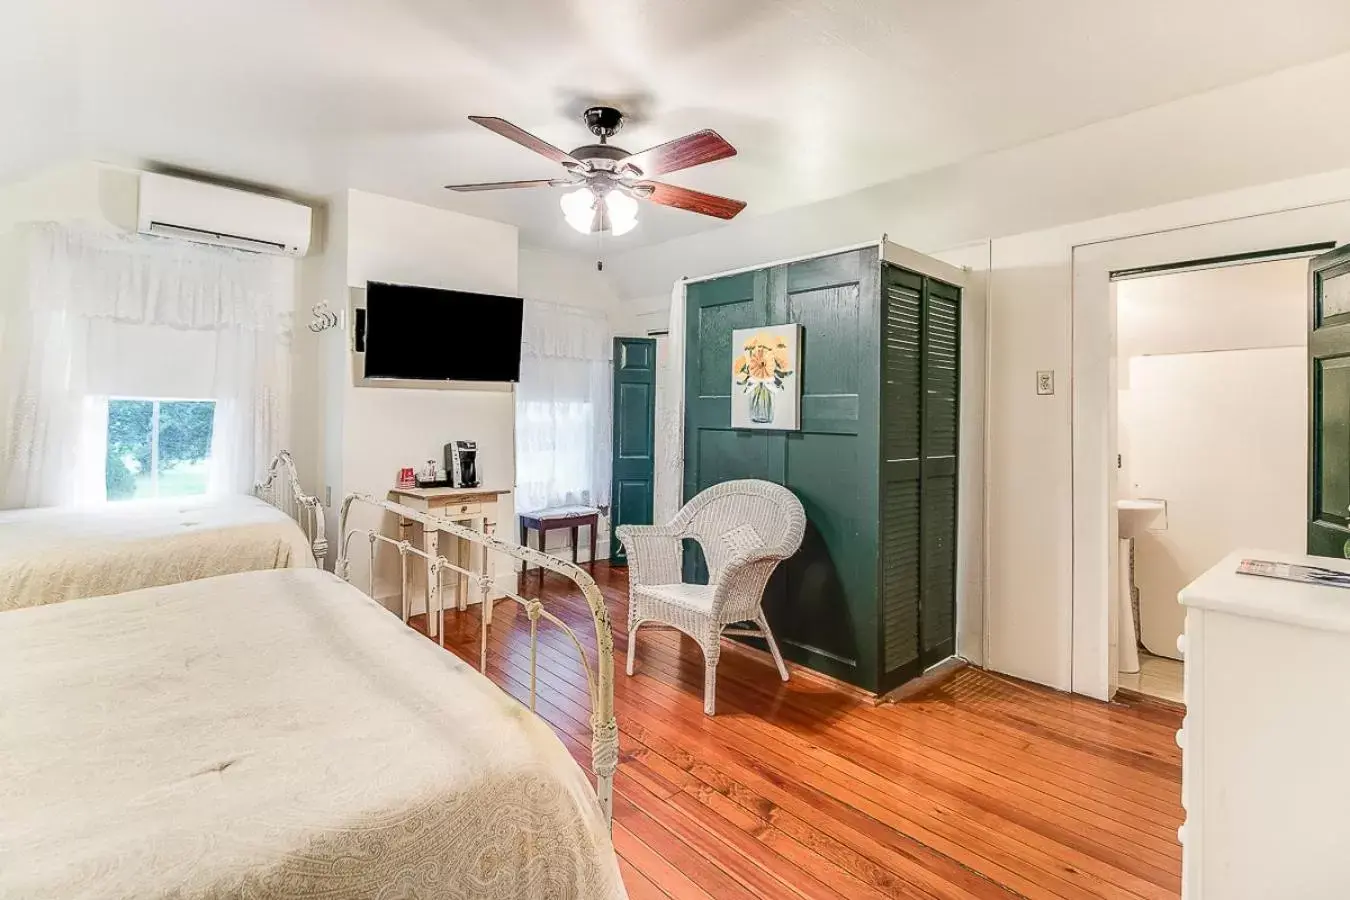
(691,150)
(523,137)
(506,185)
(694,201)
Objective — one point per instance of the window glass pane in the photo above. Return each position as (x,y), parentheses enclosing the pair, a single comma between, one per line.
(158,448)
(1336,295)
(184,446)
(1333,460)
(128,465)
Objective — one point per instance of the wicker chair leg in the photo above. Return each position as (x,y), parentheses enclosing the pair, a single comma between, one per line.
(711,655)
(763,624)
(632,645)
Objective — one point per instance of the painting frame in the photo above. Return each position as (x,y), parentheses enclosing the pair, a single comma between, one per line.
(766,380)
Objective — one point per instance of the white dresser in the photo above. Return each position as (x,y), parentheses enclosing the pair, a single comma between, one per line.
(1266,740)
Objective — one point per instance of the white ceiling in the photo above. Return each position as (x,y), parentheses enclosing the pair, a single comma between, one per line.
(821,97)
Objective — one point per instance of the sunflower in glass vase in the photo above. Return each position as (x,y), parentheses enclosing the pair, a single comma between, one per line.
(761,369)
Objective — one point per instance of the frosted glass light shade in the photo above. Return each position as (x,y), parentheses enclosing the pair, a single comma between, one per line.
(579,209)
(622,212)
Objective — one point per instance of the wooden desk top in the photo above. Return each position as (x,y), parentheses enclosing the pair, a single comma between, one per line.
(447,494)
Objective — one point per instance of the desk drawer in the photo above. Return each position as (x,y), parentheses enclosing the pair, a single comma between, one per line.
(458,509)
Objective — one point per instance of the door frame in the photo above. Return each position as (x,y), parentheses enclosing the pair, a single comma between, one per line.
(1095,552)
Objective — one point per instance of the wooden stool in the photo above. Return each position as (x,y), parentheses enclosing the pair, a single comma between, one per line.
(571,517)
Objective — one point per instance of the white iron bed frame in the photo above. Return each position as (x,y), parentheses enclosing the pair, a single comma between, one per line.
(281,488)
(599,678)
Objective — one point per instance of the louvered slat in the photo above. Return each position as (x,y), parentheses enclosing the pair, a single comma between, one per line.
(940,376)
(902,370)
(900,573)
(939,563)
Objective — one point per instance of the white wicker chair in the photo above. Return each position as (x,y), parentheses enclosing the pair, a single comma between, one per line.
(745,529)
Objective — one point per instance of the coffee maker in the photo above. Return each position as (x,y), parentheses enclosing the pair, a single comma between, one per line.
(461,463)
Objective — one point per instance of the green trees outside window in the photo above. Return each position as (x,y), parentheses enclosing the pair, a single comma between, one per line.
(158,448)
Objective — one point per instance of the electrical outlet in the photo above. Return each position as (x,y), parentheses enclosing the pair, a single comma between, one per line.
(328,495)
(1045,382)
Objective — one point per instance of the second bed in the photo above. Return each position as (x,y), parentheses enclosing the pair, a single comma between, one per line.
(63,553)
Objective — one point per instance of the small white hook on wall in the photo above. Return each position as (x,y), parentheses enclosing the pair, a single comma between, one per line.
(324,318)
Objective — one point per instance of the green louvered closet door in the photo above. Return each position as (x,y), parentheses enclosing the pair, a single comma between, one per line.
(920,415)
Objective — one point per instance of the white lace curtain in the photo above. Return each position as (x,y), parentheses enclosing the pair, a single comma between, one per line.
(86,315)
(563,408)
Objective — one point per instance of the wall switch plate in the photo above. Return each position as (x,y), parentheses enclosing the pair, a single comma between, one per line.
(1045,382)
(328,495)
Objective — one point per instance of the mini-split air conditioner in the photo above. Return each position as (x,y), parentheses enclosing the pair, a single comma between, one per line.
(210,214)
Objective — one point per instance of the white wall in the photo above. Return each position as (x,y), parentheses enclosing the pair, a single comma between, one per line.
(1202,147)
(73,193)
(307,419)
(569,279)
(1213,420)
(383,429)
(1222,437)
(1229,308)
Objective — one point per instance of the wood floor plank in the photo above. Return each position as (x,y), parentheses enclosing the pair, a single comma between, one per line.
(978,787)
(639,886)
(653,866)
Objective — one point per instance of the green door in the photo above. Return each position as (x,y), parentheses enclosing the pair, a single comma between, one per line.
(1329,404)
(920,397)
(634,437)
(941,424)
(821,603)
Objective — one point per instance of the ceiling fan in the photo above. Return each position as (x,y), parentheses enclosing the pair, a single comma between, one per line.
(609,179)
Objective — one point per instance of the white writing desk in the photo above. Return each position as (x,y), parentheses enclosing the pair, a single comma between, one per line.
(475,508)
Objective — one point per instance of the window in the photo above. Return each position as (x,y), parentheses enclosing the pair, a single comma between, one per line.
(158,448)
(556,446)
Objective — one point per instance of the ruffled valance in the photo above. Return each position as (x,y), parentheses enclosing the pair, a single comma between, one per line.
(139,279)
(565,332)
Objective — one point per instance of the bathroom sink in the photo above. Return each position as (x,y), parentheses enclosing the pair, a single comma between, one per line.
(1138,516)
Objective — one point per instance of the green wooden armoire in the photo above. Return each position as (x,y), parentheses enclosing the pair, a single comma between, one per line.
(871,596)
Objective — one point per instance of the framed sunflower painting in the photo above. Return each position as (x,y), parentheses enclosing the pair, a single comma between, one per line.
(766,381)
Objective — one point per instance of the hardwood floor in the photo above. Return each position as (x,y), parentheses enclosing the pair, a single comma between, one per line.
(980,787)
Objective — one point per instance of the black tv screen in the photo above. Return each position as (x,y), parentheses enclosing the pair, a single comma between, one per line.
(428,334)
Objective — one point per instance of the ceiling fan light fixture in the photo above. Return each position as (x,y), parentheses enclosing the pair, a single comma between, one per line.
(623,211)
(578,209)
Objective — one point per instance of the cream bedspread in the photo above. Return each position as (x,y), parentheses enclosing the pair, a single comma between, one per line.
(48,555)
(275,734)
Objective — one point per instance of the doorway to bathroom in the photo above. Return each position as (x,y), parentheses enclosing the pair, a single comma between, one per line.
(1211,438)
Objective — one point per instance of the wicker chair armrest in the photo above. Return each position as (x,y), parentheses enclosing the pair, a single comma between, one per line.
(740,589)
(750,557)
(654,553)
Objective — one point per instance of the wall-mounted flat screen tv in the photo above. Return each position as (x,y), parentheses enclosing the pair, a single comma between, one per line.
(429,334)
